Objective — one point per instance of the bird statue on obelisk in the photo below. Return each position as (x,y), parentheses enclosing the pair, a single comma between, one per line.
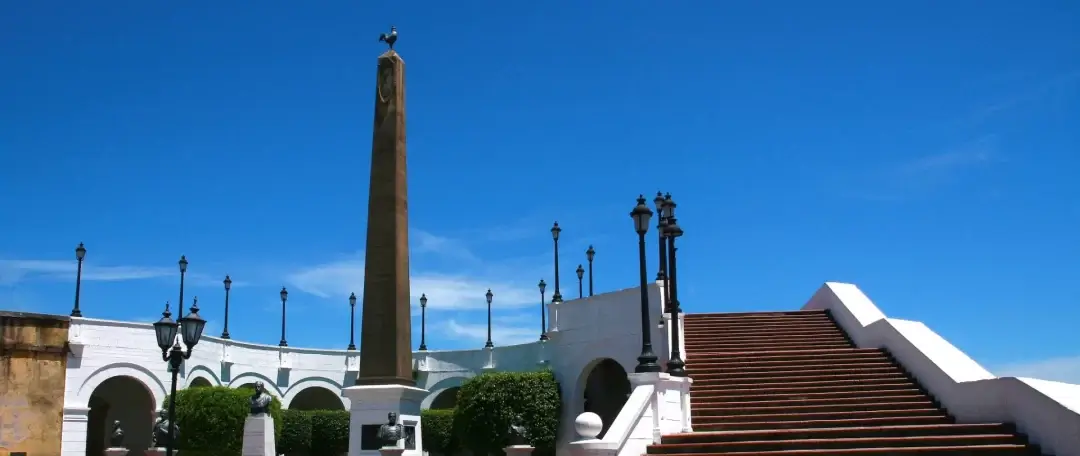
(385,383)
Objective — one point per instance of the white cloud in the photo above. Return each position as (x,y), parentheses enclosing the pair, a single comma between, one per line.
(502,331)
(1064,369)
(14,271)
(458,284)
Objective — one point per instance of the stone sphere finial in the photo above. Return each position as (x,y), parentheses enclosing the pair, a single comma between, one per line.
(588,425)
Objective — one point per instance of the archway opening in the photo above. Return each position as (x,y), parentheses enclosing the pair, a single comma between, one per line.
(316,398)
(606,390)
(447,399)
(125,399)
(250,386)
(199,382)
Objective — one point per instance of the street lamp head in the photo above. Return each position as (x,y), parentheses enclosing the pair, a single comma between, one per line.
(284,294)
(228,283)
(80,252)
(423,300)
(489,295)
(352,299)
(669,206)
(580,272)
(658,202)
(165,329)
(183,266)
(192,325)
(641,216)
(673,229)
(590,254)
(555,230)
(542,286)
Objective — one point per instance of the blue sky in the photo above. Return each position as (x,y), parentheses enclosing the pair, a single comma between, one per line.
(925,151)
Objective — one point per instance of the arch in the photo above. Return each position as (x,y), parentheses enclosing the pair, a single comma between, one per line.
(446,399)
(321,385)
(205,372)
(127,400)
(135,371)
(199,382)
(441,386)
(252,377)
(316,398)
(603,388)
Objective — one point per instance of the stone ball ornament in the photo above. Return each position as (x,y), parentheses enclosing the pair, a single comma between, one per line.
(588,425)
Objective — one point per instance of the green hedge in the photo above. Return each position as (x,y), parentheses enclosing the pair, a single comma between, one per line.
(488,403)
(437,431)
(314,433)
(211,420)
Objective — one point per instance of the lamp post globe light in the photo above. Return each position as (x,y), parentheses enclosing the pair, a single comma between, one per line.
(80,253)
(352,322)
(555,230)
(423,322)
(647,360)
(580,275)
(228,286)
(590,253)
(190,328)
(489,295)
(284,297)
(543,312)
(675,365)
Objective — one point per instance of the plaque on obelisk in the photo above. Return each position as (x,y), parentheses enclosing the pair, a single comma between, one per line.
(385,384)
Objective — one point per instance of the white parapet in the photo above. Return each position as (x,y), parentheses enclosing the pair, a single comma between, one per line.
(370,407)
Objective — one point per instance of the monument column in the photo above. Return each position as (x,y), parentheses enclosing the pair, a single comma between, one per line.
(385,384)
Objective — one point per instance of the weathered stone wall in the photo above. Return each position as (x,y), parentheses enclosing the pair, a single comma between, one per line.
(33,364)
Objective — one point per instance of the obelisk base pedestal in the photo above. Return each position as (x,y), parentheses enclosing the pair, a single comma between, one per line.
(391,451)
(116,451)
(370,406)
(259,436)
(159,451)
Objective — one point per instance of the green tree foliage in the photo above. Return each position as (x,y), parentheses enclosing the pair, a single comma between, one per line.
(437,431)
(211,420)
(488,403)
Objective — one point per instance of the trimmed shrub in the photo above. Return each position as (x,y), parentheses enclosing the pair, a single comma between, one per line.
(211,420)
(488,403)
(437,431)
(329,432)
(295,433)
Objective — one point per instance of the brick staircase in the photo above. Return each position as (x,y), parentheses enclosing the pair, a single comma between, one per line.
(792,383)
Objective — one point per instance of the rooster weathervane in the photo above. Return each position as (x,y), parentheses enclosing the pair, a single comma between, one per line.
(389,38)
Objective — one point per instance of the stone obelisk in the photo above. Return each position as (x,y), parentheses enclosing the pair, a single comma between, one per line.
(385,382)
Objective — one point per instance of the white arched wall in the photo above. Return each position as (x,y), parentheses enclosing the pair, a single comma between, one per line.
(583,379)
(441,386)
(202,372)
(135,371)
(311,382)
(252,377)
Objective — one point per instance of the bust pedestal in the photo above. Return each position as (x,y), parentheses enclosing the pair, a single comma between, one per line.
(369,406)
(259,436)
(159,451)
(519,450)
(116,451)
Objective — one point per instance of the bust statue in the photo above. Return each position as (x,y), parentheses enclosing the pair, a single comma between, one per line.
(391,432)
(161,430)
(116,439)
(260,400)
(517,432)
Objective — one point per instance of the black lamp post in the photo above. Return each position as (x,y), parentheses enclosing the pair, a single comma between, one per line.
(589,255)
(228,286)
(661,273)
(555,230)
(423,322)
(543,312)
(580,275)
(647,360)
(284,296)
(190,328)
(352,322)
(675,365)
(489,295)
(80,253)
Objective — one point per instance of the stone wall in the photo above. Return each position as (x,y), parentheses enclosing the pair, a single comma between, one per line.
(33,365)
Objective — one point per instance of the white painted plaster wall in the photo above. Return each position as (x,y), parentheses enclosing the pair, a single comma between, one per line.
(1048,412)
